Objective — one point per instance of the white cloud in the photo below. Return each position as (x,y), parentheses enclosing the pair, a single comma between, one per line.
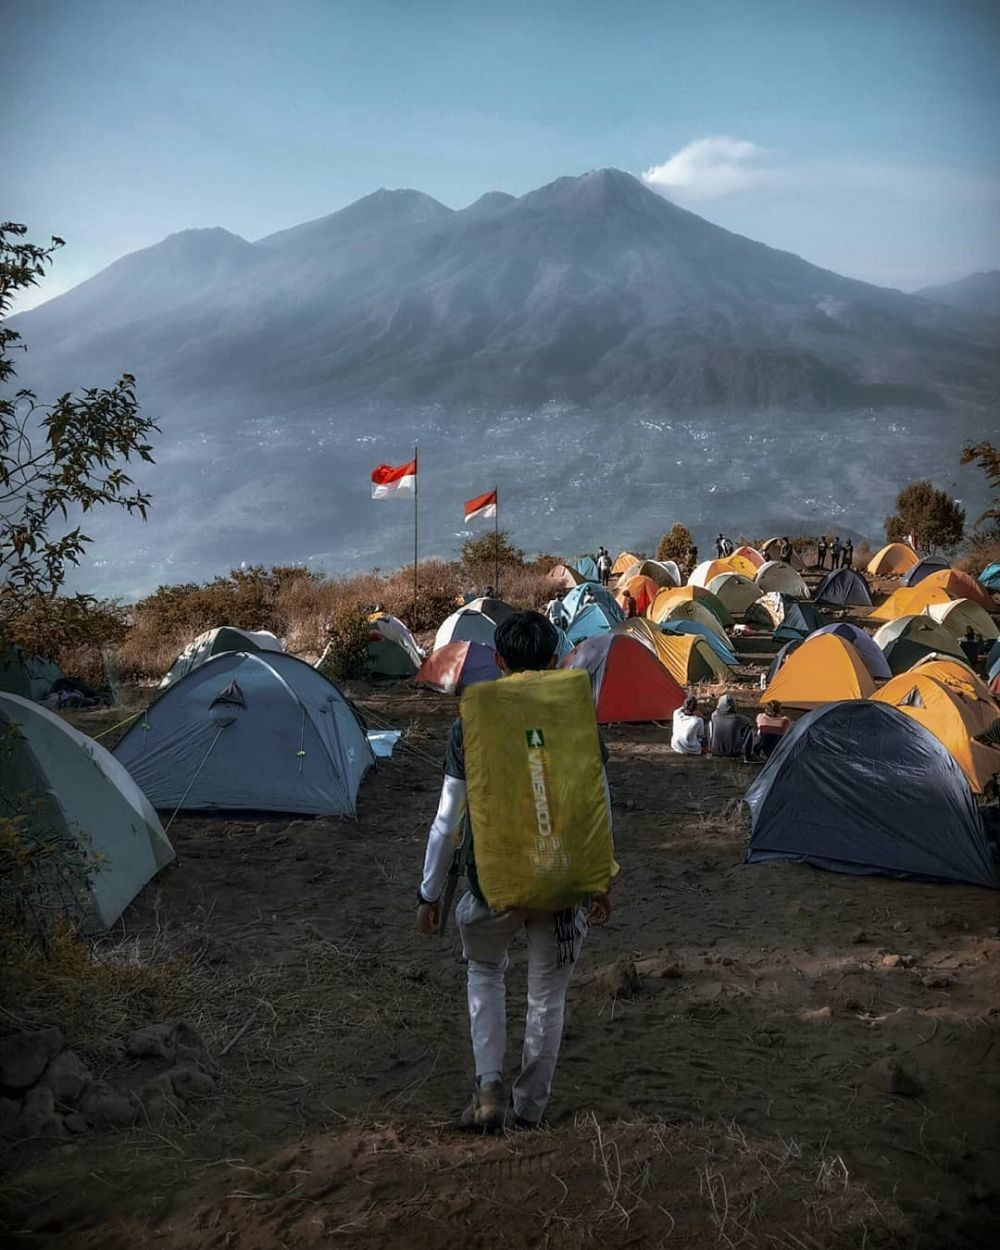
(710,168)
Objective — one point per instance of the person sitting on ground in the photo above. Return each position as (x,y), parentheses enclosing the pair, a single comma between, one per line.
(728,730)
(555,610)
(629,606)
(772,725)
(688,737)
(488,592)
(525,642)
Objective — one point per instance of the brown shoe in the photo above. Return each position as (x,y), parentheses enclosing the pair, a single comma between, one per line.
(487,1111)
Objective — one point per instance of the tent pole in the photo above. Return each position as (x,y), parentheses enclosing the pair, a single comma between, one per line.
(496,542)
(416,487)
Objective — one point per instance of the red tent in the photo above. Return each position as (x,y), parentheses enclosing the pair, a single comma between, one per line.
(456,665)
(629,682)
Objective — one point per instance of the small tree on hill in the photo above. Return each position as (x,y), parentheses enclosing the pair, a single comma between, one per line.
(484,558)
(934,519)
(675,544)
(55,458)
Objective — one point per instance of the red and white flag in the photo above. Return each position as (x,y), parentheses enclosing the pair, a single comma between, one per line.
(395,483)
(483,506)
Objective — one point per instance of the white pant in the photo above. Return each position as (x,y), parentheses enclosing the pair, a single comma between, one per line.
(486,935)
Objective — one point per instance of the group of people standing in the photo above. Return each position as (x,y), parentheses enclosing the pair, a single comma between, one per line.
(841,553)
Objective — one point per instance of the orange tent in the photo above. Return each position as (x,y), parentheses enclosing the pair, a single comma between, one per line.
(562,577)
(893,559)
(623,561)
(955,713)
(642,589)
(824,669)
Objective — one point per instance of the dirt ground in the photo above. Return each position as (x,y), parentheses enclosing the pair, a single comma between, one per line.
(765,1056)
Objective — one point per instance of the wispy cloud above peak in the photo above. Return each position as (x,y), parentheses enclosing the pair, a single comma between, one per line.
(710,168)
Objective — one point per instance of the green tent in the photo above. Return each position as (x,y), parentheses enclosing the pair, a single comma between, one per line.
(74,795)
(387,658)
(30,676)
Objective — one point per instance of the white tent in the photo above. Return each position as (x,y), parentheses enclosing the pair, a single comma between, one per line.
(213,642)
(466,625)
(78,792)
(776,575)
(958,614)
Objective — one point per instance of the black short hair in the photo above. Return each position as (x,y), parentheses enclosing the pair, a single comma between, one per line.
(526,641)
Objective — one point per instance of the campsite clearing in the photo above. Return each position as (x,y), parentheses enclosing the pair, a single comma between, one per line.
(765,1056)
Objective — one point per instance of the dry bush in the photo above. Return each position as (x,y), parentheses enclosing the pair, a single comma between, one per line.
(863,553)
(983,548)
(74,632)
(525,587)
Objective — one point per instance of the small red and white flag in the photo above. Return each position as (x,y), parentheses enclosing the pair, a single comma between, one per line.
(483,506)
(395,483)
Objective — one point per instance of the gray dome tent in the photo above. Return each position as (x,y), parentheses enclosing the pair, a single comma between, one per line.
(78,796)
(844,588)
(858,787)
(257,731)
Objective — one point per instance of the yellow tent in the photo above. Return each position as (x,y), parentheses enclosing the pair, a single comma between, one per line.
(954,712)
(708,569)
(892,560)
(953,672)
(825,669)
(751,554)
(743,565)
(686,657)
(624,560)
(958,615)
(669,596)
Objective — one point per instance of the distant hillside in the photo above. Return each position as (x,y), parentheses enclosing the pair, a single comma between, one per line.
(612,361)
(590,289)
(979,293)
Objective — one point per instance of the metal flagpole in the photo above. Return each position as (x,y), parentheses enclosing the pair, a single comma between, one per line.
(496,541)
(416,487)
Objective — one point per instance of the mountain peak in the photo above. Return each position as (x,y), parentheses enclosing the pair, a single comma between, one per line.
(489,204)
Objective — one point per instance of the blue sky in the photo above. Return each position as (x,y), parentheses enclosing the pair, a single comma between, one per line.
(860,134)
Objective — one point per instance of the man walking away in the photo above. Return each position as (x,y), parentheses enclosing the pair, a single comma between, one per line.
(847,556)
(525,642)
(720,546)
(604,567)
(727,546)
(821,552)
(835,550)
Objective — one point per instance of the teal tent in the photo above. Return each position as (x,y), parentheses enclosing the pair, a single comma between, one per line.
(258,731)
(74,795)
